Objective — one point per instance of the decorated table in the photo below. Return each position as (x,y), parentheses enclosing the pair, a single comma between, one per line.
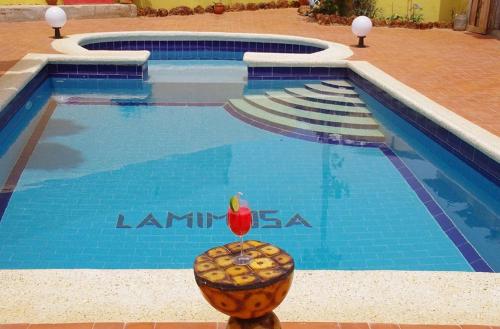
(247,293)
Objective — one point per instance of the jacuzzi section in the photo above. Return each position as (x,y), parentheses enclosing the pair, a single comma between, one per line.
(201,49)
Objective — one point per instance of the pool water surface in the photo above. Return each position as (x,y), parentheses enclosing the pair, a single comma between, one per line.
(142,181)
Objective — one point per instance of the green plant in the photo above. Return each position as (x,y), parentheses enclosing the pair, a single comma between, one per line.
(330,7)
(416,15)
(394,17)
(326,7)
(365,8)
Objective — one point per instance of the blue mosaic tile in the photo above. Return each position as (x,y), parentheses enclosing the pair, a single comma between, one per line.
(455,236)
(106,69)
(469,253)
(100,71)
(201,49)
(480,266)
(444,221)
(87,69)
(296,73)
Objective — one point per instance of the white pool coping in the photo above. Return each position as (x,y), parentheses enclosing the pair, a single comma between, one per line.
(332,51)
(64,296)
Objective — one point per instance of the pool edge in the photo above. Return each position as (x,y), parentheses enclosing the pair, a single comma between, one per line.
(80,295)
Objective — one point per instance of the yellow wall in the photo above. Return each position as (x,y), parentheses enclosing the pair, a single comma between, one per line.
(449,6)
(433,10)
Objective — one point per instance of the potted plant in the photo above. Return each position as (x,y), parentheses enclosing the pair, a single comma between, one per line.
(51,2)
(219,8)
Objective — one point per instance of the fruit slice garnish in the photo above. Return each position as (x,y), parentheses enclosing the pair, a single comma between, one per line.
(234,203)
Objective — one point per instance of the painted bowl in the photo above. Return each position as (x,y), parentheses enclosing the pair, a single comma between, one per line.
(244,291)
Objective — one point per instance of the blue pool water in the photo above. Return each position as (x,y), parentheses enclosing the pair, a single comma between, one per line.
(121,185)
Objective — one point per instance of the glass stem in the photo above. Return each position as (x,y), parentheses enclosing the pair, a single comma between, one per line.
(241,246)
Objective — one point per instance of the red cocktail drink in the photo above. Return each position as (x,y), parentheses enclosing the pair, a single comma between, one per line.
(240,221)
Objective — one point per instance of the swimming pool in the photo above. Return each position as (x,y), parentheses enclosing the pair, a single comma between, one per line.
(133,174)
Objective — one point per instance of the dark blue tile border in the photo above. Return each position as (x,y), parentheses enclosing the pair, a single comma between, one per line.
(98,71)
(466,249)
(203,49)
(4,201)
(295,73)
(475,158)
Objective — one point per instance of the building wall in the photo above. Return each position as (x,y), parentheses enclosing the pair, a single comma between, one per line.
(432,10)
(22,2)
(452,6)
(168,4)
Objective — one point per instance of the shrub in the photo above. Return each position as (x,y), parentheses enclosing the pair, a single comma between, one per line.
(365,8)
(325,7)
(330,7)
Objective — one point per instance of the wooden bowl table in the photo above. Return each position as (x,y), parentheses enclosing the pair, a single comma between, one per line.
(247,293)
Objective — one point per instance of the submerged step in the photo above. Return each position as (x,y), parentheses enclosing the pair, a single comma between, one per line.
(317,97)
(319,118)
(307,105)
(327,90)
(250,110)
(338,84)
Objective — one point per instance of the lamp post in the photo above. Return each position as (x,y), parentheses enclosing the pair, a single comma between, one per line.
(361,26)
(56,18)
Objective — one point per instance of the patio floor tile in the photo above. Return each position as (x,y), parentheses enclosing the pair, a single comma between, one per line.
(187,325)
(109,325)
(417,326)
(62,326)
(309,325)
(383,326)
(140,325)
(354,326)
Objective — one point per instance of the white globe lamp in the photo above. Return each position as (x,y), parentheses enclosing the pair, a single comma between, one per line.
(361,26)
(56,18)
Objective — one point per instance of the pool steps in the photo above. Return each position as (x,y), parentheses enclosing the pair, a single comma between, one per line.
(304,104)
(316,108)
(338,84)
(322,98)
(329,90)
(268,105)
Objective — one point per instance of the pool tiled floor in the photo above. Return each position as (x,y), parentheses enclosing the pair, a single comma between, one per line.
(221,325)
(465,60)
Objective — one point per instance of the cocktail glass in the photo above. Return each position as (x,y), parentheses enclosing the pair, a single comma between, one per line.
(240,222)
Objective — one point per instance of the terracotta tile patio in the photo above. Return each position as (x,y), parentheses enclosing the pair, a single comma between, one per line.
(221,325)
(458,70)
